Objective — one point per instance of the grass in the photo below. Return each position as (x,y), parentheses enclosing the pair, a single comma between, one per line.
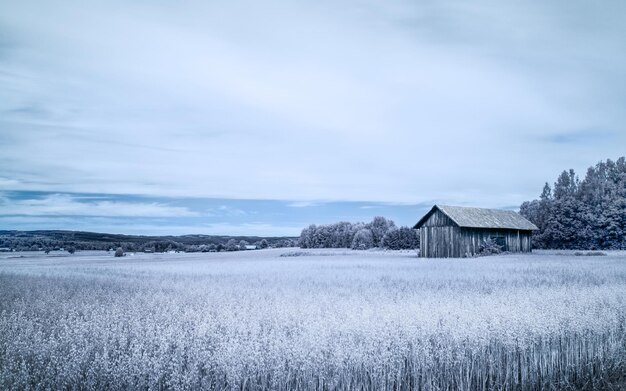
(360,320)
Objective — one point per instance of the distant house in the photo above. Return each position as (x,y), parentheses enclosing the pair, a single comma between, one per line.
(455,231)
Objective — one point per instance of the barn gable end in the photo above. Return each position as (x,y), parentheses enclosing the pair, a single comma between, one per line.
(453,231)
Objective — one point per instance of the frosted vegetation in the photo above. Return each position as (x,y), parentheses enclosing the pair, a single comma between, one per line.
(331,320)
(380,232)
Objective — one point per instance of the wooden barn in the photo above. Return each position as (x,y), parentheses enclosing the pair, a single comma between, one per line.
(455,231)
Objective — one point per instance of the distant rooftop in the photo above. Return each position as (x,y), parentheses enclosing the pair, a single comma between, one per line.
(481,218)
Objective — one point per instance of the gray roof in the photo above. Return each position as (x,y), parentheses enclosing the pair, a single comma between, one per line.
(481,218)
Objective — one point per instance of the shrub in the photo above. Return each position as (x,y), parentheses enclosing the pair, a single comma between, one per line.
(589,254)
(119,252)
(488,247)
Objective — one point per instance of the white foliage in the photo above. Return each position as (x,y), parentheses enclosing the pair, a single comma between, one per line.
(255,320)
(363,239)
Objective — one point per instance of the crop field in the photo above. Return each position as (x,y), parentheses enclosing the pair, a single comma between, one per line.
(291,319)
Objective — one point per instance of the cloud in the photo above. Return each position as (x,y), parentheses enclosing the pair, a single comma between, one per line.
(133,227)
(584,137)
(357,101)
(224,210)
(68,205)
(8,183)
(302,204)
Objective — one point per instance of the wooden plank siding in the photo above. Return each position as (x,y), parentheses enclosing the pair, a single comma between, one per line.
(439,242)
(455,242)
(438,219)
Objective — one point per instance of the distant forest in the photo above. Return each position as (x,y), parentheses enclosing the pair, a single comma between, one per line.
(77,240)
(587,214)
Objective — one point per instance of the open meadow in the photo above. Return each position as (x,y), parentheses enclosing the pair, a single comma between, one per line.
(290,319)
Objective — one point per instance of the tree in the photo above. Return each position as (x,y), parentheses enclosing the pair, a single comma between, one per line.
(119,252)
(243,245)
(363,240)
(587,214)
(403,238)
(285,243)
(306,236)
(231,245)
(70,249)
(379,227)
(566,185)
(546,193)
(341,234)
(264,244)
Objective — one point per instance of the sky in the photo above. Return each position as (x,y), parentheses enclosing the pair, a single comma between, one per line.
(259,118)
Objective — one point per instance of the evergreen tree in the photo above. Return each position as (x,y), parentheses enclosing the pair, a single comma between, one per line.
(587,214)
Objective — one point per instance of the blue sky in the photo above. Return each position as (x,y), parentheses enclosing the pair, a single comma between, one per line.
(179,216)
(246,117)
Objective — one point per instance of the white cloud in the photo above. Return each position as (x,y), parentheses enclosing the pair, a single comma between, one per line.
(224,210)
(8,183)
(122,226)
(302,204)
(373,101)
(67,205)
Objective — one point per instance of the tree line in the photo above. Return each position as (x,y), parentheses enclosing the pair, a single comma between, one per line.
(25,241)
(582,214)
(380,232)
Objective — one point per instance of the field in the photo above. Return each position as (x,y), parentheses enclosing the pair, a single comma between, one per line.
(312,319)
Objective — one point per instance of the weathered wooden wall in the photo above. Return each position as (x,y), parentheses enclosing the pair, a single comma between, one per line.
(439,242)
(438,219)
(450,241)
(441,238)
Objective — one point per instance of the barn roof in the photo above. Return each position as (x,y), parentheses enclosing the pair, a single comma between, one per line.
(481,218)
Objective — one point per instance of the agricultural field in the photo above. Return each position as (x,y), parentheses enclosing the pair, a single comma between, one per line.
(291,319)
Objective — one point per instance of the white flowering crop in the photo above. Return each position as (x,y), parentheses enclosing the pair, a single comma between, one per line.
(254,320)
